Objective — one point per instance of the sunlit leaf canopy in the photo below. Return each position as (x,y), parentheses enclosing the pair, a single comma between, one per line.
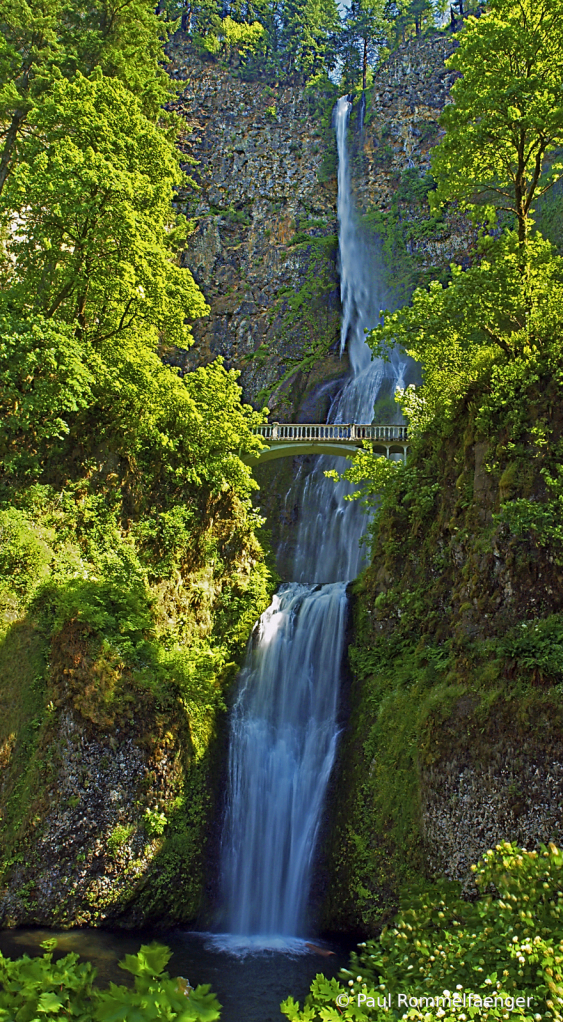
(504,126)
(92,289)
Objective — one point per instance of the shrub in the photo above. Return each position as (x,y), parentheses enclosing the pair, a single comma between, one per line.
(33,988)
(507,943)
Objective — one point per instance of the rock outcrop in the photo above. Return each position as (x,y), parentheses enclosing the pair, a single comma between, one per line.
(105,798)
(394,133)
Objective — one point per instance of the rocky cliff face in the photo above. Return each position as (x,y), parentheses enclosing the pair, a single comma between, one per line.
(105,795)
(400,120)
(504,783)
(90,853)
(264,250)
(265,244)
(393,133)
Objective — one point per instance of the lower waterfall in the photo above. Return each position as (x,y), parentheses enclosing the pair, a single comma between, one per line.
(283,742)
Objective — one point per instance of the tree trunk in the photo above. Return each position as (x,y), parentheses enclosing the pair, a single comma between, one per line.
(365,63)
(9,146)
(520,192)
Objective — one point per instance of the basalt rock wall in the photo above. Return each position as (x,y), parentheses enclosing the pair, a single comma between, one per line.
(265,245)
(264,249)
(392,135)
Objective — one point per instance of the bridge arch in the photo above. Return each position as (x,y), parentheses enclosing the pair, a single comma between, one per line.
(288,449)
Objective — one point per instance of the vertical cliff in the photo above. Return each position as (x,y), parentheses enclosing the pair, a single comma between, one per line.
(393,132)
(264,249)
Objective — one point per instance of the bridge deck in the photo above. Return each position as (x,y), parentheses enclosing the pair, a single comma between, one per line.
(341,439)
(344,432)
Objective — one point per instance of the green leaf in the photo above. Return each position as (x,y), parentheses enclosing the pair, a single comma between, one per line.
(49,1002)
(151,960)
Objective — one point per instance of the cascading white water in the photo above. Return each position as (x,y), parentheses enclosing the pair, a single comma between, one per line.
(284,724)
(330,529)
(283,742)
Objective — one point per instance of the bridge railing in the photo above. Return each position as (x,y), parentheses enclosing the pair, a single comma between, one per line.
(350,431)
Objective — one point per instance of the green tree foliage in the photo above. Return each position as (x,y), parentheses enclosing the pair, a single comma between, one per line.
(125,507)
(497,940)
(371,27)
(172,441)
(306,44)
(44,379)
(506,120)
(366,29)
(302,39)
(179,440)
(90,285)
(39,39)
(408,16)
(90,281)
(235,38)
(487,312)
(40,987)
(196,17)
(418,13)
(502,130)
(505,943)
(299,38)
(87,214)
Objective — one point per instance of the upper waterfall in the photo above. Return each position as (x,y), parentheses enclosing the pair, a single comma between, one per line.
(330,528)
(347,233)
(362,290)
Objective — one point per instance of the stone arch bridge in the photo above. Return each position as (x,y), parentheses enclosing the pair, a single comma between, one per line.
(285,439)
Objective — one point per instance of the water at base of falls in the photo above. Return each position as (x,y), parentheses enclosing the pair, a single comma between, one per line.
(249,987)
(284,723)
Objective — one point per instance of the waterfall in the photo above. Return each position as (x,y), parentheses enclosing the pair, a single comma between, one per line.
(283,741)
(330,528)
(284,722)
